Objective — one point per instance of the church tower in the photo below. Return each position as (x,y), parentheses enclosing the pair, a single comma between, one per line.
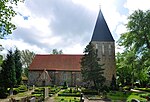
(105,47)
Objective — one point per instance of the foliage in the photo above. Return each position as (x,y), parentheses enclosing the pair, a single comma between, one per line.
(6,14)
(113,83)
(55,52)
(90,68)
(65,86)
(89,92)
(26,59)
(3,92)
(138,35)
(1,59)
(134,62)
(8,70)
(66,99)
(18,66)
(10,74)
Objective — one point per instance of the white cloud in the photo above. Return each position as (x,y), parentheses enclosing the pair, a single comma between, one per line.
(120,29)
(10,44)
(133,5)
(75,49)
(65,24)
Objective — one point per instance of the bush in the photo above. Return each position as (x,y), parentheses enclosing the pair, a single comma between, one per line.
(65,86)
(143,89)
(15,91)
(22,88)
(3,92)
(128,88)
(69,94)
(89,92)
(106,88)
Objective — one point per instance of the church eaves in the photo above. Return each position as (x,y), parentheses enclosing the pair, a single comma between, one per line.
(101,30)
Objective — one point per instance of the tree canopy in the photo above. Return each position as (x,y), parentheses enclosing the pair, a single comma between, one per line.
(18,66)
(55,51)
(135,60)
(6,14)
(90,68)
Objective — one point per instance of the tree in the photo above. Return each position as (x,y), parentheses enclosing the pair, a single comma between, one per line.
(26,59)
(55,52)
(18,66)
(138,35)
(90,68)
(6,14)
(136,42)
(8,72)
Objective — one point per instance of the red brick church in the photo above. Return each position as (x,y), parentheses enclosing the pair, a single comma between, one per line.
(56,69)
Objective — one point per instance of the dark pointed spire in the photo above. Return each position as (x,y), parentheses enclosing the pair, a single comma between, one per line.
(101,30)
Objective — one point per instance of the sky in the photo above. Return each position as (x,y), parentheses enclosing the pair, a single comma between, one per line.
(67,25)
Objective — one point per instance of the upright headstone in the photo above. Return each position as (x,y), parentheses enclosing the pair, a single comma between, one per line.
(33,99)
(46,93)
(33,87)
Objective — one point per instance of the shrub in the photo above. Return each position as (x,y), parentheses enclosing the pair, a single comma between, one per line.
(128,88)
(69,94)
(89,92)
(22,88)
(70,90)
(15,91)
(65,86)
(3,92)
(106,88)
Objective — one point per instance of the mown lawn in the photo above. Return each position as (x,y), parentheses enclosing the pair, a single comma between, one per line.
(66,99)
(125,96)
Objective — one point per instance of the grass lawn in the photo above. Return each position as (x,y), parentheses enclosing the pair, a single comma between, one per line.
(125,96)
(67,99)
(136,96)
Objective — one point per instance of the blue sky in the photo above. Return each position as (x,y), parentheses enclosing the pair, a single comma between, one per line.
(43,25)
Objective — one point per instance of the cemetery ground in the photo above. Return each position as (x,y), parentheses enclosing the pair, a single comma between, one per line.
(73,94)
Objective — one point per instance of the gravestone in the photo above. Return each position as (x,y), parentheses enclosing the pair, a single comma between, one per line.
(46,93)
(33,99)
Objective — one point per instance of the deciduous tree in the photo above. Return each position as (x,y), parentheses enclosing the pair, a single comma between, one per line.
(26,59)
(6,14)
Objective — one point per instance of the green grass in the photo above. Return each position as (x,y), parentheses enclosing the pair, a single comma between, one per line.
(67,99)
(118,95)
(136,96)
(127,97)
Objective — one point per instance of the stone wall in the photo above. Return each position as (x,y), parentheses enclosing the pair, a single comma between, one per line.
(56,78)
(106,53)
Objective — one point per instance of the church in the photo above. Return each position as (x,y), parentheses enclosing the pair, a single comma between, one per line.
(52,69)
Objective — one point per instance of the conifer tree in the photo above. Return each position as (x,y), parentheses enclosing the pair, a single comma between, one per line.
(18,66)
(8,71)
(90,68)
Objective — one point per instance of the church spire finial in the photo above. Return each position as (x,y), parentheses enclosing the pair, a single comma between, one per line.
(100,6)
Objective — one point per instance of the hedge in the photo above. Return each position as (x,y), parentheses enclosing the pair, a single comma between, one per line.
(70,94)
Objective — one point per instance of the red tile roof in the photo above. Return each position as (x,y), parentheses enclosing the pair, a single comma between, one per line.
(56,62)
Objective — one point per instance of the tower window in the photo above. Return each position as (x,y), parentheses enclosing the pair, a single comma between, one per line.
(96,46)
(109,49)
(103,49)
